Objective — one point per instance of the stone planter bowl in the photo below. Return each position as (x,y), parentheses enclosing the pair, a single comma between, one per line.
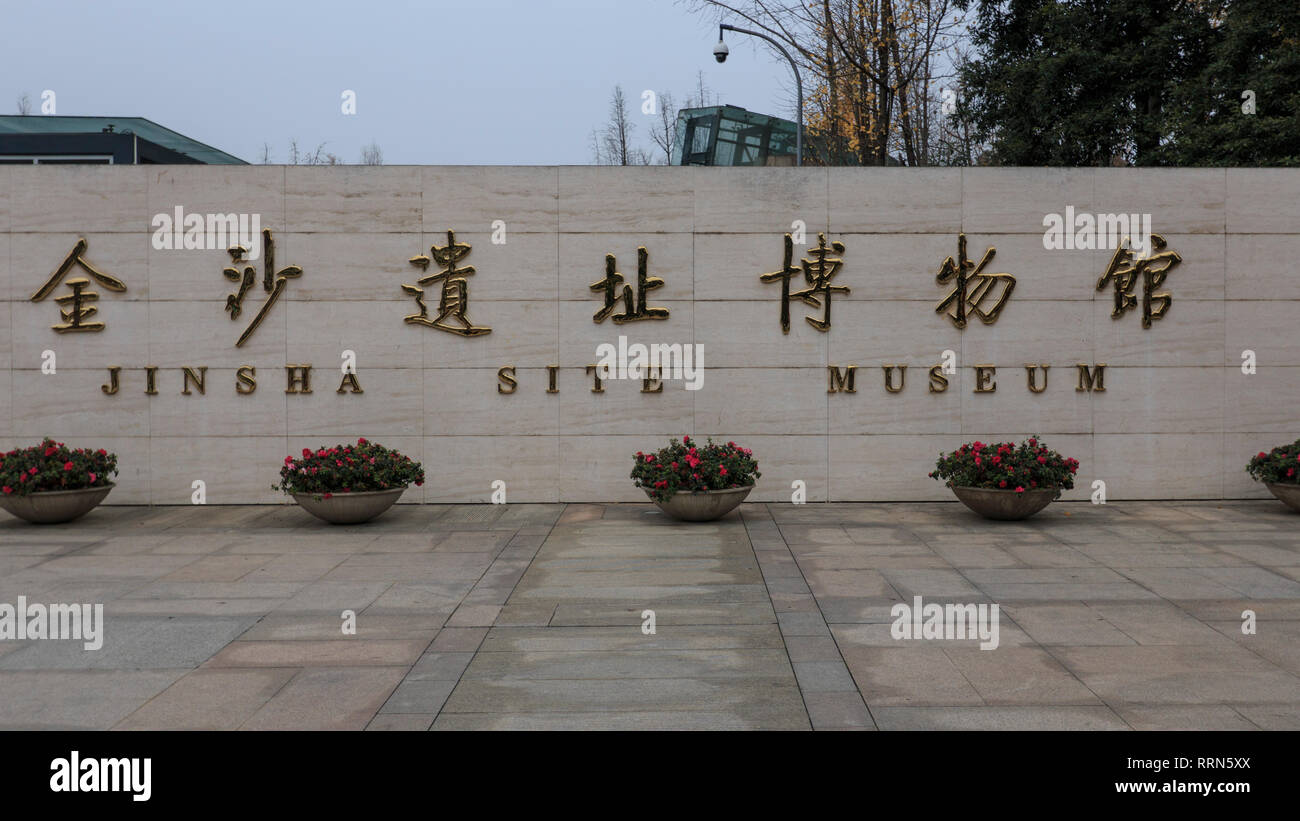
(1006,505)
(1289,495)
(56,506)
(703,507)
(348,508)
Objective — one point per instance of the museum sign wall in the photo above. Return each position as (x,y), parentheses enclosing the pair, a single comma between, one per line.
(527,329)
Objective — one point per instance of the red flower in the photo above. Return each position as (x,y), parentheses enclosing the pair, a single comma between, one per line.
(67,466)
(361,441)
(92,477)
(1019,489)
(1003,483)
(722,471)
(7,490)
(329,495)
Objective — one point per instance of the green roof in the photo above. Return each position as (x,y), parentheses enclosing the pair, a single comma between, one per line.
(144,128)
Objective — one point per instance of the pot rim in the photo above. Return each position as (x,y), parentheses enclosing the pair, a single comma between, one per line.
(338,494)
(707,492)
(1024,492)
(107,486)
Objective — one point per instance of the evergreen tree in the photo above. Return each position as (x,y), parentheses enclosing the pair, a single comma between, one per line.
(1141,82)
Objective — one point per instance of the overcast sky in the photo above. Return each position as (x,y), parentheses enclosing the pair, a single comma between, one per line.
(438,82)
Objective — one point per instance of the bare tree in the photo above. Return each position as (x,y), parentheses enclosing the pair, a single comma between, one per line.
(874,69)
(24,104)
(614,145)
(702,95)
(265,157)
(318,156)
(664,129)
(371,154)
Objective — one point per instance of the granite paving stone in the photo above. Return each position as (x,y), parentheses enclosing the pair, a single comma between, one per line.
(611,617)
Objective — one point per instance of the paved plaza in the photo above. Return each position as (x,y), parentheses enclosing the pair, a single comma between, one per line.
(1123,616)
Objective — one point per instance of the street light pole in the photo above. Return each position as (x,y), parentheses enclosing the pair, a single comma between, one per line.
(798,82)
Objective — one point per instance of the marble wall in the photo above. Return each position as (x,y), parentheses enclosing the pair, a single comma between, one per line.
(1178,418)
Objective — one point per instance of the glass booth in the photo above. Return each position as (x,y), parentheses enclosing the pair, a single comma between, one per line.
(730,135)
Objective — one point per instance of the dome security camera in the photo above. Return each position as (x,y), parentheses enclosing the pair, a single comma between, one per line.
(720,52)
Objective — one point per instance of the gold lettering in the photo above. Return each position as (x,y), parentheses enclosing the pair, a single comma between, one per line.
(551,387)
(889,377)
(246,380)
(299,377)
(1091,379)
(151,380)
(508,383)
(199,380)
(596,387)
(841,381)
(350,382)
(656,379)
(112,386)
(1032,371)
(984,379)
(938,379)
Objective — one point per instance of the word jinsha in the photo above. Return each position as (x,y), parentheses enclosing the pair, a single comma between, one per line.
(195,378)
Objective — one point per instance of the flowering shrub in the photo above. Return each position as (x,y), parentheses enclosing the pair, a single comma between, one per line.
(358,468)
(53,466)
(686,466)
(1006,466)
(1281,465)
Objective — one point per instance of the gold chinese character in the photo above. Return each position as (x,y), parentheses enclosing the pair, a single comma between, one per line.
(632,311)
(970,289)
(79,310)
(454,301)
(273,282)
(1123,272)
(817,272)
